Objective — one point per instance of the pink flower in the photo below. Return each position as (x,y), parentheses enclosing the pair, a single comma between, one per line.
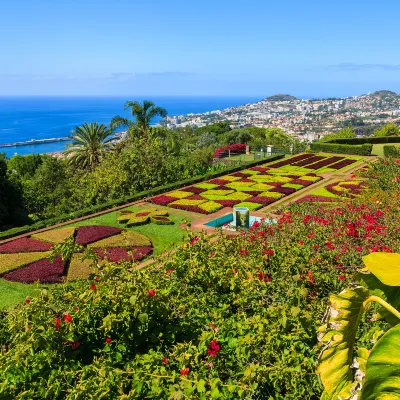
(301,243)
(165,361)
(170,271)
(341,277)
(108,340)
(194,240)
(213,348)
(152,292)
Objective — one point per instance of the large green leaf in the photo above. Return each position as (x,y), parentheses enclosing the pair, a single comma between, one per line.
(382,380)
(336,359)
(390,294)
(385,266)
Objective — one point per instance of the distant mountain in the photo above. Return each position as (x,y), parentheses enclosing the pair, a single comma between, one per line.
(383,93)
(281,97)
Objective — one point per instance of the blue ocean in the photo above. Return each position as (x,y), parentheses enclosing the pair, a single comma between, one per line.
(26,118)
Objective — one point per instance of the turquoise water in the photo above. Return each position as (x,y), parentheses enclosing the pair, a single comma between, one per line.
(228,218)
(26,118)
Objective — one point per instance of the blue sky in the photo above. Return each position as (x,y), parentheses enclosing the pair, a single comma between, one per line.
(220,47)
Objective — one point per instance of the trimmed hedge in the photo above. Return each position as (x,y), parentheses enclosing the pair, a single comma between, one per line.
(371,140)
(361,150)
(129,199)
(391,151)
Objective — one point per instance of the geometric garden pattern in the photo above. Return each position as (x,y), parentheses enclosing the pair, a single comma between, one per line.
(255,187)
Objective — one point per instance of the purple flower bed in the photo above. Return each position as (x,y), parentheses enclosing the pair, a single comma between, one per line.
(218,182)
(43,270)
(315,199)
(285,190)
(308,161)
(25,245)
(162,200)
(262,200)
(119,254)
(90,234)
(342,164)
(228,203)
(194,190)
(325,163)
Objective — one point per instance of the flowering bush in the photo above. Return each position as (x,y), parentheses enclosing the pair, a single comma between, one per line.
(230,148)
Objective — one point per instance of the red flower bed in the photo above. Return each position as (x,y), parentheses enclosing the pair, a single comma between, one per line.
(90,234)
(308,161)
(143,214)
(195,197)
(193,189)
(162,200)
(240,175)
(302,182)
(262,200)
(325,163)
(119,254)
(290,160)
(43,270)
(25,245)
(232,148)
(195,209)
(285,190)
(313,199)
(217,182)
(342,164)
(228,203)
(259,169)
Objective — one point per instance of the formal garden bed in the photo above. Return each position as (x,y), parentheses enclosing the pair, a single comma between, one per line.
(27,260)
(255,187)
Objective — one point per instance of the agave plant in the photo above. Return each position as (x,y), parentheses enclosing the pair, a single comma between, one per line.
(374,374)
(90,143)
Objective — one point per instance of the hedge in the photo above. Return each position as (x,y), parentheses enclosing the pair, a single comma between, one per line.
(391,151)
(362,150)
(130,199)
(371,140)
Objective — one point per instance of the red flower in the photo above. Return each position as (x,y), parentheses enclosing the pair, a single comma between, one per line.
(152,292)
(270,252)
(76,309)
(330,246)
(67,318)
(184,371)
(165,361)
(58,324)
(92,286)
(75,345)
(213,348)
(170,271)
(235,271)
(27,301)
(243,252)
(316,246)
(108,340)
(301,243)
(260,276)
(341,277)
(194,240)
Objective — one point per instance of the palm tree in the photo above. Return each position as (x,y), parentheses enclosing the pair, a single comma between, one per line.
(90,142)
(143,114)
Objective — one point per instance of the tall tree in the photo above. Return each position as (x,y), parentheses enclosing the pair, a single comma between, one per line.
(90,143)
(143,114)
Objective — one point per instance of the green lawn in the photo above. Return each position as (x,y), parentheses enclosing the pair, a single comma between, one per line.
(377,149)
(12,293)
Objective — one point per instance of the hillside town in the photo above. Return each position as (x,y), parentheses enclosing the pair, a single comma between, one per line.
(307,119)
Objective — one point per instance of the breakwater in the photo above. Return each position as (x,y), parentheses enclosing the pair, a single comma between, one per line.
(35,141)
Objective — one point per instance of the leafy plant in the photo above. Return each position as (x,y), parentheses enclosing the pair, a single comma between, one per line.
(370,375)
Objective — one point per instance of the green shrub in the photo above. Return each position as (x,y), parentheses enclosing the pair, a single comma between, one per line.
(391,151)
(136,197)
(362,150)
